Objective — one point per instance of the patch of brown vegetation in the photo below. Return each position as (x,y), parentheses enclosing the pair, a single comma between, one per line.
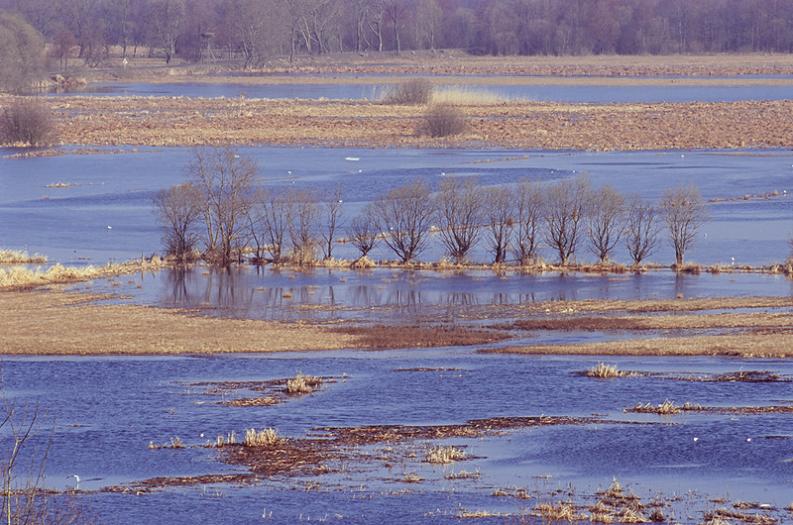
(743,517)
(670,408)
(775,345)
(53,322)
(385,337)
(166,121)
(271,392)
(658,305)
(162,482)
(675,322)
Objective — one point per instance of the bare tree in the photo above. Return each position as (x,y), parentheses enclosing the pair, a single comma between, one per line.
(459,205)
(529,217)
(685,214)
(333,214)
(270,219)
(605,226)
(641,229)
(303,213)
(363,232)
(500,220)
(225,181)
(405,214)
(565,210)
(180,209)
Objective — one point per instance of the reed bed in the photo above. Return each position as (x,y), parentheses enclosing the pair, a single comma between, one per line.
(303,384)
(444,455)
(267,437)
(24,277)
(21,257)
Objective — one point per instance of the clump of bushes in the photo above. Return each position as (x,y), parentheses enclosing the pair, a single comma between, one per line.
(604,371)
(443,120)
(262,438)
(412,92)
(27,122)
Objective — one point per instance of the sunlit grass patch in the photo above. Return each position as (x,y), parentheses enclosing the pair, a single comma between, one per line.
(562,511)
(462,96)
(20,257)
(667,408)
(444,455)
(23,277)
(604,371)
(263,438)
(463,474)
(303,384)
(411,477)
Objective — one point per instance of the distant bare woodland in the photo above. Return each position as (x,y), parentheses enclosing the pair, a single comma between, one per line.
(249,32)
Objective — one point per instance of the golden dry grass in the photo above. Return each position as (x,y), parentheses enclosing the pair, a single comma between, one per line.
(657,305)
(56,322)
(758,345)
(20,257)
(604,371)
(302,384)
(164,121)
(263,438)
(658,322)
(24,277)
(444,455)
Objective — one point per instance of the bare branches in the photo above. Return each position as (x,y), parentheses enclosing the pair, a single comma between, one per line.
(179,209)
(565,209)
(459,206)
(685,214)
(363,232)
(405,215)
(641,229)
(332,211)
(529,216)
(605,225)
(225,181)
(302,216)
(500,221)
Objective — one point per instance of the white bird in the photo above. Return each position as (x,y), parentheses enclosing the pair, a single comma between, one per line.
(76,481)
(748,440)
(696,439)
(109,227)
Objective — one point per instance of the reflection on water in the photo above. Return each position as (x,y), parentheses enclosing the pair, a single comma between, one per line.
(271,293)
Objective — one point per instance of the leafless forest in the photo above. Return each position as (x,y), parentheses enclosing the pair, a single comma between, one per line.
(251,31)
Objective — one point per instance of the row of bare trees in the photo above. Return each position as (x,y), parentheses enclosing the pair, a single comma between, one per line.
(255,30)
(222,213)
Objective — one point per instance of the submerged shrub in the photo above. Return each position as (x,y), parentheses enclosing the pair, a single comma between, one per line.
(443,120)
(27,122)
(302,384)
(412,92)
(604,371)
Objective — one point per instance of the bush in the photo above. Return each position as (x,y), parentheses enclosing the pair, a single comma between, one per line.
(443,121)
(413,92)
(27,122)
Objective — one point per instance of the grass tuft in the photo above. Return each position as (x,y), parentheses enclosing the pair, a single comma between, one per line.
(604,371)
(267,437)
(412,92)
(20,257)
(444,455)
(460,96)
(302,384)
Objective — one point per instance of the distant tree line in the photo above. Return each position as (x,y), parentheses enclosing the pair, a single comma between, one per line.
(222,215)
(252,31)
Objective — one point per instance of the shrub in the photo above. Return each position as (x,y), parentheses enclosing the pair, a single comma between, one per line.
(27,122)
(302,384)
(443,120)
(263,438)
(412,92)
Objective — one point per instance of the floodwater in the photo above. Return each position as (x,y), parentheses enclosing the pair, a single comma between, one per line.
(97,416)
(589,93)
(106,210)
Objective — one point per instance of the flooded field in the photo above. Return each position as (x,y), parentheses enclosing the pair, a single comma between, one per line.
(599,94)
(690,462)
(62,206)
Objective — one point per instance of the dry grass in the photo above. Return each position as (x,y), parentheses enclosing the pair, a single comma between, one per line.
(380,337)
(20,257)
(302,384)
(757,345)
(460,96)
(444,455)
(267,437)
(667,408)
(56,322)
(22,277)
(462,474)
(162,121)
(656,322)
(411,92)
(604,371)
(562,511)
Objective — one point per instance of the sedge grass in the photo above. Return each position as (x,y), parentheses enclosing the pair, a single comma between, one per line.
(21,257)
(444,455)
